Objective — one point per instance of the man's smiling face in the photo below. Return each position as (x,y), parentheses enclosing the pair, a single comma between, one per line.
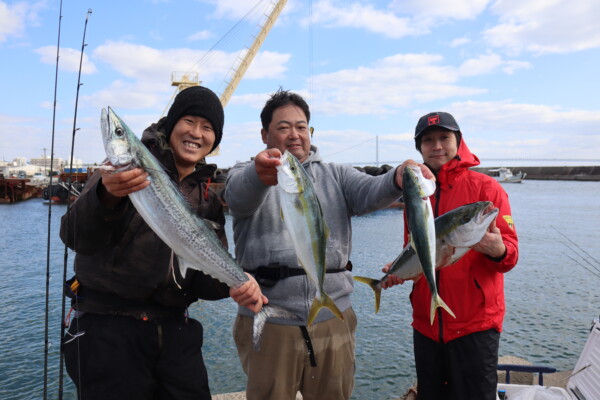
(288,130)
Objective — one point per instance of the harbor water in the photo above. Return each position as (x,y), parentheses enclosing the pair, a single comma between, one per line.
(551,295)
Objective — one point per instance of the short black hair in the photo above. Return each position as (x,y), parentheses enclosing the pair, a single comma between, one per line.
(279,99)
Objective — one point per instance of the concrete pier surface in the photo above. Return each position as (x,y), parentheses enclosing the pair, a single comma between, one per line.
(558,379)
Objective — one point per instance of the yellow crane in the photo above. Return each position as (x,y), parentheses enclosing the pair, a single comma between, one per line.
(188,79)
(242,66)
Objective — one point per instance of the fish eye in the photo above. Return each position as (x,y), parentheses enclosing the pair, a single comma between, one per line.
(466,219)
(119,131)
(293,168)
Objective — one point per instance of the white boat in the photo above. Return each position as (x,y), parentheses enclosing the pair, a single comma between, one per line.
(39,179)
(503,174)
(582,384)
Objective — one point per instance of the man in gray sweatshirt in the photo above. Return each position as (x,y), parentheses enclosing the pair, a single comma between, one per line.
(317,360)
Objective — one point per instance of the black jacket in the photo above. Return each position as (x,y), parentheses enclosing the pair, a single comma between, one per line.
(122,266)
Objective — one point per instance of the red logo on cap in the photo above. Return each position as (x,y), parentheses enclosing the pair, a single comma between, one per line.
(433,120)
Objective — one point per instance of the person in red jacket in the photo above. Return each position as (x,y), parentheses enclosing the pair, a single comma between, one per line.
(456,358)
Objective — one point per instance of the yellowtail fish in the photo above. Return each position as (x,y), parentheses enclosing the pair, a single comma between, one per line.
(421,225)
(303,218)
(456,232)
(163,207)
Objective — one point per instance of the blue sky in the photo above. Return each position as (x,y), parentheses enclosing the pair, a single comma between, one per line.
(521,77)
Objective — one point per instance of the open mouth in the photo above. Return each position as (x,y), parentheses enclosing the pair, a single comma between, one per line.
(191,145)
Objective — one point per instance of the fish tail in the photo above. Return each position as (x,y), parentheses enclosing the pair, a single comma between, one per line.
(326,302)
(436,301)
(261,317)
(375,285)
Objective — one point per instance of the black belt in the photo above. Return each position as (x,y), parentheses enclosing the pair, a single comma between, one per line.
(269,275)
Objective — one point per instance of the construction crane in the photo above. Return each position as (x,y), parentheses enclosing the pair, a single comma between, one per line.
(240,69)
(183,80)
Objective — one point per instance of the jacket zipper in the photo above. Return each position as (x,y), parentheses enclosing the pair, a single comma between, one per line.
(437,274)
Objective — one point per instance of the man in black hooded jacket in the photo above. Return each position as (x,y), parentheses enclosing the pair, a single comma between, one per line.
(131,337)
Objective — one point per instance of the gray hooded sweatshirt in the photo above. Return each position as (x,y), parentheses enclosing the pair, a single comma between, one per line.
(261,237)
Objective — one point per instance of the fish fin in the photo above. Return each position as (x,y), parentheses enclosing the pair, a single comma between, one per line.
(184,265)
(436,301)
(260,319)
(212,224)
(326,302)
(375,285)
(281,214)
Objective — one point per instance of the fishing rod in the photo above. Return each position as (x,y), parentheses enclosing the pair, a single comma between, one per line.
(46,328)
(70,181)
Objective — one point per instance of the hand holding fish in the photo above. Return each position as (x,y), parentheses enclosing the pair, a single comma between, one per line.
(249,295)
(427,174)
(390,280)
(119,184)
(265,163)
(491,244)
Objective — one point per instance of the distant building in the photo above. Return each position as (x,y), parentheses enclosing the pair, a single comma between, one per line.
(19,162)
(77,162)
(44,162)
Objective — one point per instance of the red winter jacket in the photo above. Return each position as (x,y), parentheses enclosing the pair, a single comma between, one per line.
(473,288)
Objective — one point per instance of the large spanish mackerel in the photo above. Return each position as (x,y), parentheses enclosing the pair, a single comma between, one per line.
(455,231)
(165,210)
(421,225)
(303,218)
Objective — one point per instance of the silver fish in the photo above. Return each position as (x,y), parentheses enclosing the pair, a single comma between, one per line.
(303,218)
(456,232)
(421,225)
(165,210)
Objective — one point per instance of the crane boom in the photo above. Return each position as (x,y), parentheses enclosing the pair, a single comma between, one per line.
(249,56)
(187,79)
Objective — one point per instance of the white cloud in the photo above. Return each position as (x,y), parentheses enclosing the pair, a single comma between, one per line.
(236,9)
(510,66)
(460,42)
(387,85)
(441,10)
(484,64)
(146,63)
(527,130)
(15,17)
(201,35)
(542,27)
(357,15)
(489,63)
(68,61)
(125,95)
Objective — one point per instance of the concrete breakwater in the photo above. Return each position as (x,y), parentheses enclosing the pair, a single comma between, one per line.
(564,173)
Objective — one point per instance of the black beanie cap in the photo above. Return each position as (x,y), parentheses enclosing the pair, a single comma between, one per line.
(198,101)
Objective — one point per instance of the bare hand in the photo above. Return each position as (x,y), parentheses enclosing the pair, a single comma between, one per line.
(265,163)
(390,280)
(120,184)
(427,174)
(249,295)
(491,244)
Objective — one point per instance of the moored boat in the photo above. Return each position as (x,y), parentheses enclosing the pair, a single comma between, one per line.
(504,174)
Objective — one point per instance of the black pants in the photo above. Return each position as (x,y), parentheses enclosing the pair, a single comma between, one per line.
(462,369)
(117,357)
